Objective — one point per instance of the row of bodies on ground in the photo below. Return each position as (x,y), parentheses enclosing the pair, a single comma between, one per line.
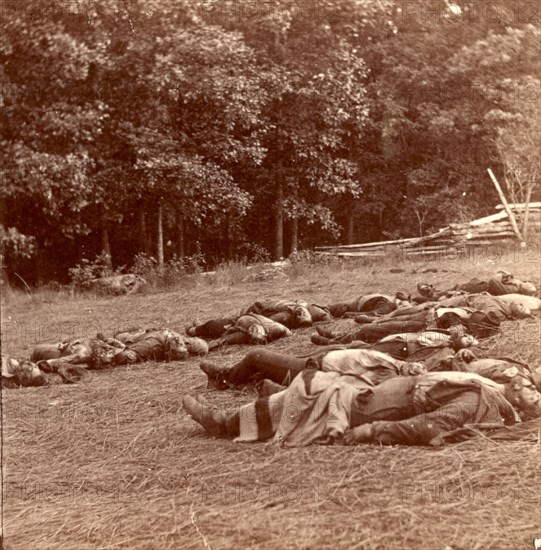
(394,329)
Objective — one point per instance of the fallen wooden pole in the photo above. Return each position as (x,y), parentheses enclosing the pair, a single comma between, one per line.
(510,214)
(520,205)
(366,245)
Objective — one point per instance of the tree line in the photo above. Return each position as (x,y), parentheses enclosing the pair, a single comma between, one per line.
(224,128)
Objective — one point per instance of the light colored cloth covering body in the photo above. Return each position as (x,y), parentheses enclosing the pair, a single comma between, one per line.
(318,407)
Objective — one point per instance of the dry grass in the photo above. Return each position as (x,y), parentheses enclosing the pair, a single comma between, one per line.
(116,462)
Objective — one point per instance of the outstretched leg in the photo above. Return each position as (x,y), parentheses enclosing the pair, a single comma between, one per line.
(256,421)
(262,363)
(215,421)
(232,339)
(326,337)
(256,365)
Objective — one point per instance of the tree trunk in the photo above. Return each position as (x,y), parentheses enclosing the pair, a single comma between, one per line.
(42,263)
(294,235)
(180,228)
(143,237)
(351,228)
(106,249)
(231,245)
(279,219)
(526,213)
(279,206)
(160,237)
(4,275)
(420,220)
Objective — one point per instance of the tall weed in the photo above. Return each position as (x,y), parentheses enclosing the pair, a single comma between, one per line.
(178,271)
(227,274)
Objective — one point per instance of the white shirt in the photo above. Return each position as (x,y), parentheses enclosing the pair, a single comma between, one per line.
(531,302)
(463,313)
(428,338)
(357,361)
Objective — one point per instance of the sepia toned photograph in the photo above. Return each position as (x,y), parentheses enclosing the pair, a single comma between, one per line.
(270,274)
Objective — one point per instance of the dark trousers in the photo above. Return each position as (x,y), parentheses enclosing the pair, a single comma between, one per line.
(261,363)
(231,339)
(382,307)
(473,286)
(213,328)
(339,309)
(374,332)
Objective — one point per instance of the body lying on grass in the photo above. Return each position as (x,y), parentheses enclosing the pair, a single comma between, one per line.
(251,329)
(479,314)
(410,345)
(501,283)
(509,306)
(370,304)
(505,307)
(292,314)
(69,359)
(210,330)
(329,407)
(372,366)
(285,312)
(129,283)
(25,373)
(17,373)
(125,347)
(499,369)
(427,319)
(157,345)
(92,352)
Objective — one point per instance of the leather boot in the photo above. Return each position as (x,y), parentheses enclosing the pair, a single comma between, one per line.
(319,340)
(216,422)
(325,332)
(215,375)
(362,319)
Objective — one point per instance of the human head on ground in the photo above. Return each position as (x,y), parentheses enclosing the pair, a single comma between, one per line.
(460,339)
(402,300)
(519,390)
(196,346)
(23,373)
(104,354)
(425,289)
(176,348)
(519,311)
(257,334)
(528,400)
(301,316)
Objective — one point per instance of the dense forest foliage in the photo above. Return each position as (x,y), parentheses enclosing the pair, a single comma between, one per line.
(226,128)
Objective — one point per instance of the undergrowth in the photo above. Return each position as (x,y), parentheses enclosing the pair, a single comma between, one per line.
(189,272)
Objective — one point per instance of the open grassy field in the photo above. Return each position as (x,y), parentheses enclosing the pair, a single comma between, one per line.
(115,462)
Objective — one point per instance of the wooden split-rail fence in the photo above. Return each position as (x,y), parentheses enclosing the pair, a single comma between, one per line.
(455,238)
